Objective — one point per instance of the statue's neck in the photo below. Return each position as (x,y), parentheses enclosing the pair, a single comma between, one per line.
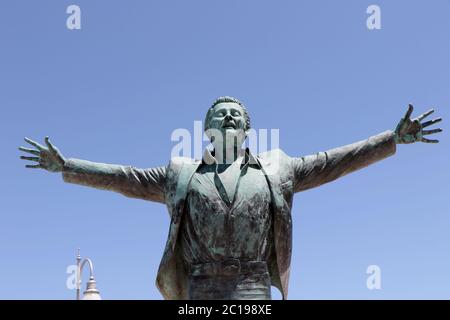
(226,154)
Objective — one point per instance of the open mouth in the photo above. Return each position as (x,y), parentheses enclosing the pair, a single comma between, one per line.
(229,125)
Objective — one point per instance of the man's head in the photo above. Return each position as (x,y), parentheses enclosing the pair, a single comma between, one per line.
(227,115)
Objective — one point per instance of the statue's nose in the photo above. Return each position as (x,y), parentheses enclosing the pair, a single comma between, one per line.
(228,117)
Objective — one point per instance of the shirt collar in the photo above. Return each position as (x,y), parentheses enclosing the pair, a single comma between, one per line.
(249,159)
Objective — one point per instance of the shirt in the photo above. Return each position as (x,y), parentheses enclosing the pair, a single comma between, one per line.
(216,227)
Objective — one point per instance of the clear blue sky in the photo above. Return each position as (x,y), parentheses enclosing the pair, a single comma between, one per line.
(116,89)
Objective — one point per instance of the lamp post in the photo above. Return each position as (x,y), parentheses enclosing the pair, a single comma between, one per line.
(91,292)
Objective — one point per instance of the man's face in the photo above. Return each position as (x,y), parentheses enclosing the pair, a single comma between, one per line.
(227,124)
(228,117)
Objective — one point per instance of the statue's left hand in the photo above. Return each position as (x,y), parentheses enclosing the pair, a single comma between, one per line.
(410,131)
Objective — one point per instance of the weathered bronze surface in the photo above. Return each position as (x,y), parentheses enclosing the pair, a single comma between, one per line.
(230,234)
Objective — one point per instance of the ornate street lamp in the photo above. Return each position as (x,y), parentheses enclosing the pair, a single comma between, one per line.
(91,292)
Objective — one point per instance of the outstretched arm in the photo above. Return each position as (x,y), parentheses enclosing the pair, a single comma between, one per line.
(314,170)
(148,184)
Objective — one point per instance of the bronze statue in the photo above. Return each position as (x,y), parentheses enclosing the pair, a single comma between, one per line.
(230,230)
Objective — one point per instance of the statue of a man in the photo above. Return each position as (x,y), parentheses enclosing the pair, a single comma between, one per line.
(230,234)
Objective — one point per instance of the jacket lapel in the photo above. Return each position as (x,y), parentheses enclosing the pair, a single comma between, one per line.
(184,179)
(282,224)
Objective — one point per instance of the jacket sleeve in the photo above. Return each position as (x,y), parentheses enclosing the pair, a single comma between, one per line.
(314,170)
(147,184)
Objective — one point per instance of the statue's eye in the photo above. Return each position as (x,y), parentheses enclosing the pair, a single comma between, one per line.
(221,114)
(236,113)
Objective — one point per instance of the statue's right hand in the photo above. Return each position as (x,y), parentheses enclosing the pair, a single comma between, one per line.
(48,158)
